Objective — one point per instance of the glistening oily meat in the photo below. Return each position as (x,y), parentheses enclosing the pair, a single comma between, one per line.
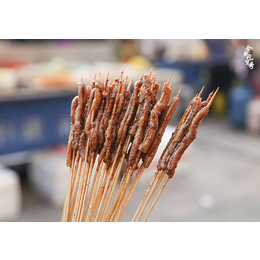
(188,138)
(97,92)
(130,112)
(105,152)
(119,108)
(82,145)
(125,106)
(94,131)
(154,117)
(78,115)
(105,116)
(142,123)
(164,121)
(147,84)
(111,127)
(179,132)
(74,104)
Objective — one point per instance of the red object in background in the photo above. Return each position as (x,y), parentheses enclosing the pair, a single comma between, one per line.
(13,64)
(254,79)
(59,149)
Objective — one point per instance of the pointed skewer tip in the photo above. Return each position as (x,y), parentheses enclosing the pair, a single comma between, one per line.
(99,75)
(151,72)
(169,79)
(212,98)
(201,90)
(178,94)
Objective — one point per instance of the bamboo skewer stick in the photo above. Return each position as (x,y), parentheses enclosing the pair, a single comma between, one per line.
(95,184)
(116,195)
(120,203)
(74,177)
(114,178)
(130,192)
(156,184)
(93,158)
(112,181)
(100,189)
(83,185)
(75,188)
(145,195)
(84,198)
(68,193)
(103,193)
(82,201)
(80,176)
(77,183)
(120,194)
(80,190)
(105,196)
(156,199)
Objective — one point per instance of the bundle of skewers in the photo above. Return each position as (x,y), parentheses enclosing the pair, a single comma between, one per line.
(110,125)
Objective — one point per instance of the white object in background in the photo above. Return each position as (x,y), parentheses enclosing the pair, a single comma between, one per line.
(10,194)
(207,201)
(49,176)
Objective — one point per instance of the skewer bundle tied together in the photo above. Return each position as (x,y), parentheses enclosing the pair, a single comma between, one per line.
(110,125)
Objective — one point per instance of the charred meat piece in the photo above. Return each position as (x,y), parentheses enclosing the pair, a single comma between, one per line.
(164,121)
(129,113)
(180,131)
(189,137)
(74,104)
(142,123)
(154,118)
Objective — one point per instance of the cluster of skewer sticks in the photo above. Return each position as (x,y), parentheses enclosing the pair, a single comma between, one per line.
(111,124)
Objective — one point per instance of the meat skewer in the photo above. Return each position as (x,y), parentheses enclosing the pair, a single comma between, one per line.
(110,125)
(93,110)
(121,137)
(77,107)
(108,143)
(187,140)
(163,122)
(134,154)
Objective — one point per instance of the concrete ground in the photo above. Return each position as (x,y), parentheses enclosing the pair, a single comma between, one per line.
(219,180)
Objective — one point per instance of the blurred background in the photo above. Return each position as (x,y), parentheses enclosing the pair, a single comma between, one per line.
(218,178)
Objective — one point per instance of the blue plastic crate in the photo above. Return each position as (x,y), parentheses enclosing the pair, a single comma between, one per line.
(190,70)
(34,123)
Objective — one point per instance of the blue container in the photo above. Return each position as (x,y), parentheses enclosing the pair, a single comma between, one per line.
(238,100)
(190,70)
(34,123)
